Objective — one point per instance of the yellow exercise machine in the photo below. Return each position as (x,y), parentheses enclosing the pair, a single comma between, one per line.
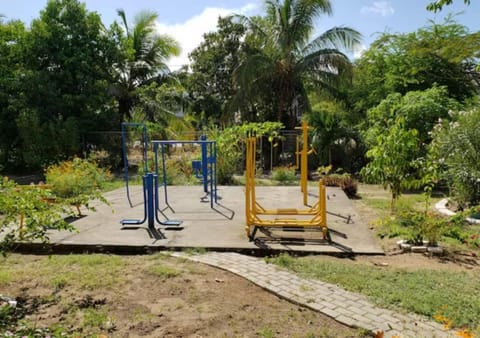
(303,162)
(254,210)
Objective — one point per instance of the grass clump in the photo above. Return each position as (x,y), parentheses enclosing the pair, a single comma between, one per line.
(163,271)
(86,272)
(424,292)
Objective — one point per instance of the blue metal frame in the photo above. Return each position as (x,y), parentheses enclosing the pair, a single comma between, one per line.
(208,166)
(149,185)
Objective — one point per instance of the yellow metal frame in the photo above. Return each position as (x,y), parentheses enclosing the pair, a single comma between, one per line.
(254,210)
(303,162)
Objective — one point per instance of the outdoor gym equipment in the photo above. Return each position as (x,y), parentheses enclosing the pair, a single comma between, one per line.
(149,187)
(302,162)
(303,154)
(206,169)
(125,126)
(150,205)
(254,210)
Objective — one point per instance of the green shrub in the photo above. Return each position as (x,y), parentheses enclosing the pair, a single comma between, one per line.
(230,147)
(455,150)
(284,174)
(27,214)
(229,153)
(417,226)
(77,182)
(179,169)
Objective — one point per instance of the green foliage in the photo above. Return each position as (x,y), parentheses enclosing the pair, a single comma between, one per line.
(425,292)
(179,169)
(216,58)
(164,271)
(12,35)
(94,318)
(27,214)
(414,222)
(419,109)
(143,55)
(53,141)
(284,175)
(415,226)
(77,182)
(12,325)
(437,5)
(230,148)
(333,133)
(266,332)
(438,54)
(63,91)
(455,153)
(283,57)
(393,160)
(158,103)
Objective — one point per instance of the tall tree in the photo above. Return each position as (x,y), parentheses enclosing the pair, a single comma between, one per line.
(288,58)
(144,56)
(68,58)
(439,54)
(12,35)
(213,63)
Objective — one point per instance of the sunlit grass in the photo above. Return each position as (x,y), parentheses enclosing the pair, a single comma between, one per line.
(422,291)
(82,271)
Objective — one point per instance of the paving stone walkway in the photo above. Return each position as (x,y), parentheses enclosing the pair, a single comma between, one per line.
(346,307)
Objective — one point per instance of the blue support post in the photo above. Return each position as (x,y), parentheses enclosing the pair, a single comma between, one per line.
(150,201)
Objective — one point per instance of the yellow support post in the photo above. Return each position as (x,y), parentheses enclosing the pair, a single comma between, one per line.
(304,161)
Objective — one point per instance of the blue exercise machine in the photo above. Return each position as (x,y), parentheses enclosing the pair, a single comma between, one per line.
(205,169)
(149,185)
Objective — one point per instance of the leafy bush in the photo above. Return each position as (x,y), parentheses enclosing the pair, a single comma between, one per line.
(230,148)
(455,152)
(27,214)
(77,182)
(417,226)
(284,174)
(393,159)
(179,169)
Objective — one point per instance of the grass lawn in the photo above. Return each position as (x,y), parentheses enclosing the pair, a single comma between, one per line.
(452,294)
(439,293)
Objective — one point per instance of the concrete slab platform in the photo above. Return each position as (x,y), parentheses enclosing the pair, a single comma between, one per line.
(220,228)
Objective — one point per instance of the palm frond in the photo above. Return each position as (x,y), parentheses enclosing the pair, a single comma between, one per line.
(256,68)
(121,14)
(331,60)
(337,38)
(303,15)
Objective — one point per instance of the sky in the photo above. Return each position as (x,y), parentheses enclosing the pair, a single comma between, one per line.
(188,20)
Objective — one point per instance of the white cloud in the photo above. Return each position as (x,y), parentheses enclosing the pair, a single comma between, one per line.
(190,33)
(383,8)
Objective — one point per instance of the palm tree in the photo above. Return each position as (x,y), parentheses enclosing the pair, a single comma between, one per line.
(287,59)
(144,56)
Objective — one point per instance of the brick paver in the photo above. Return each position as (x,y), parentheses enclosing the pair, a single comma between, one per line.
(346,307)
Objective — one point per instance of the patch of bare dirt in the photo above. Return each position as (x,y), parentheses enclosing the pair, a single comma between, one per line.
(199,301)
